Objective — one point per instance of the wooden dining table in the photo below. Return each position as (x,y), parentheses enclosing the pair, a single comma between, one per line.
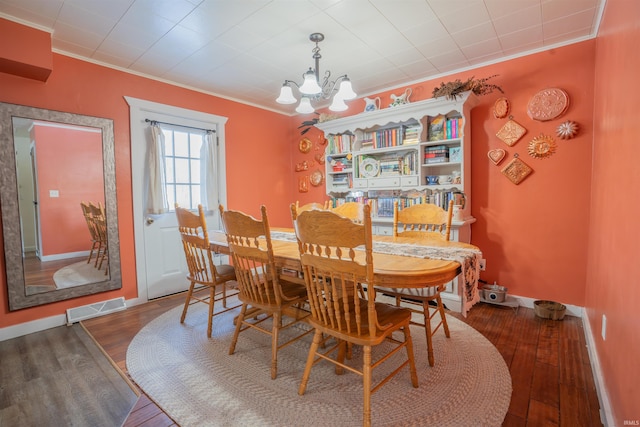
(399,271)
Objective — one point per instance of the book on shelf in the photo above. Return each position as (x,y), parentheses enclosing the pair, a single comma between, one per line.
(390,167)
(432,160)
(437,128)
(452,128)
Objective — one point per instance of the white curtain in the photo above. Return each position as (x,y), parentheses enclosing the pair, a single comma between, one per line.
(157,197)
(208,170)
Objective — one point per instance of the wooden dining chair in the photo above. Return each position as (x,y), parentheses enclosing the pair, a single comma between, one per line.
(424,221)
(204,274)
(333,271)
(352,210)
(312,205)
(262,289)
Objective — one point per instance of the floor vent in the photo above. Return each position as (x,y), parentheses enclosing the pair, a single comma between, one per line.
(96,309)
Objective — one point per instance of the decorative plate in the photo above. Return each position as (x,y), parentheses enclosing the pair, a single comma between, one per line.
(305,145)
(567,130)
(369,168)
(496,155)
(516,170)
(511,132)
(542,146)
(501,108)
(316,178)
(548,104)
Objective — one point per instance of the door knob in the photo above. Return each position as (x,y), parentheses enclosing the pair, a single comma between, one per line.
(149,221)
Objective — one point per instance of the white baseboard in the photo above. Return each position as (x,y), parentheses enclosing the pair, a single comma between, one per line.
(606,413)
(33,326)
(46,323)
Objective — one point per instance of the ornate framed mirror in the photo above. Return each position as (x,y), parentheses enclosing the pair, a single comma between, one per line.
(55,196)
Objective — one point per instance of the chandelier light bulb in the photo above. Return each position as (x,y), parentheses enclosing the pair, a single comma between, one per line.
(286,95)
(305,106)
(310,85)
(338,104)
(346,91)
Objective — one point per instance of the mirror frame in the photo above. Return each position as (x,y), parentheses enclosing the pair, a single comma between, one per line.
(11,232)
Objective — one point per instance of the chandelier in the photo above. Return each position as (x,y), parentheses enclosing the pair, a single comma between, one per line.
(312,89)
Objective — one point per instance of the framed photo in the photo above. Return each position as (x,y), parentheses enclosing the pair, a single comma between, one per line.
(455,154)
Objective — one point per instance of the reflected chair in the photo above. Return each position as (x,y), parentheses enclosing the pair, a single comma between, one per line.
(262,290)
(203,272)
(423,221)
(352,210)
(97,223)
(333,271)
(93,232)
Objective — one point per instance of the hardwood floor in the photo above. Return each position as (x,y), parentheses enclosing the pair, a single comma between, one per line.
(548,360)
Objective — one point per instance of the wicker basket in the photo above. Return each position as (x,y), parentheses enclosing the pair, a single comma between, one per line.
(549,309)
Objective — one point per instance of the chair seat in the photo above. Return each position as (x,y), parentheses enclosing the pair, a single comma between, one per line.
(426,292)
(387,314)
(226,272)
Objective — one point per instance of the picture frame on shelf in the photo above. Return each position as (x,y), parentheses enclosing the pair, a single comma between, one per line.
(455,154)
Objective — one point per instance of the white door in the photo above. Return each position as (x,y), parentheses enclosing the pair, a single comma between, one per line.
(160,263)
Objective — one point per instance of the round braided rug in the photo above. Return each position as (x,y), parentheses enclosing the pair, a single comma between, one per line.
(198,383)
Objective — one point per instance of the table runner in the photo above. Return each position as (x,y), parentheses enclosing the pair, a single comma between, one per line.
(468,258)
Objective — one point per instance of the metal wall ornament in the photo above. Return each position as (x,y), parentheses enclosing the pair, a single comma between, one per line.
(496,155)
(303,184)
(501,108)
(511,132)
(316,178)
(517,170)
(305,145)
(548,104)
(542,146)
(567,130)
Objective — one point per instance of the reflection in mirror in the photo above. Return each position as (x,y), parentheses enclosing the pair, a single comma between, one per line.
(59,216)
(60,191)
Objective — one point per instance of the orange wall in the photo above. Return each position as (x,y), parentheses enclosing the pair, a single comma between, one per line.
(614,233)
(257,142)
(69,160)
(533,235)
(549,237)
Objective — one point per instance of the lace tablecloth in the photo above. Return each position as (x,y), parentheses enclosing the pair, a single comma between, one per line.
(469,259)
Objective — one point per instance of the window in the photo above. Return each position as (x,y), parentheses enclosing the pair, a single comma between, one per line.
(182,149)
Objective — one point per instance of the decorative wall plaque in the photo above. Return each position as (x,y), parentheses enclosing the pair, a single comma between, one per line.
(303,184)
(501,108)
(548,104)
(542,146)
(511,132)
(567,130)
(316,178)
(496,155)
(516,170)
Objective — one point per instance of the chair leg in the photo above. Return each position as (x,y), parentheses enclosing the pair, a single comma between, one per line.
(317,338)
(412,361)
(445,325)
(186,303)
(239,321)
(427,330)
(212,295)
(277,324)
(366,387)
(343,348)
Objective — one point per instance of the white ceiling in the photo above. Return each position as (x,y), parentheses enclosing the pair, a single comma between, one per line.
(245,49)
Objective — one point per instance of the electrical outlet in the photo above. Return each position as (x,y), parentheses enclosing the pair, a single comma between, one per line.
(604,326)
(483,264)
